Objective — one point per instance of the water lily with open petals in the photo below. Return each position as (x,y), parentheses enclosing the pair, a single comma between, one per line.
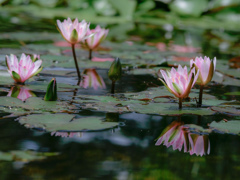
(73,31)
(24,69)
(180,81)
(98,35)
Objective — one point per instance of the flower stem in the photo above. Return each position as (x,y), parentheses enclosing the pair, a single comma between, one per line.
(200,96)
(90,54)
(180,103)
(75,60)
(113,87)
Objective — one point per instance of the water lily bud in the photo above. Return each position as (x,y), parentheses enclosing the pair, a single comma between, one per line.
(115,71)
(51,94)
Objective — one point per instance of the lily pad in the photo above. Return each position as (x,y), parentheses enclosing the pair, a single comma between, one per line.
(34,104)
(230,126)
(64,122)
(24,156)
(227,110)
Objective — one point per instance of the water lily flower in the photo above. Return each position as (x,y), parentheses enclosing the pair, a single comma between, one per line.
(24,69)
(206,69)
(98,35)
(179,82)
(174,135)
(21,93)
(92,79)
(199,144)
(74,32)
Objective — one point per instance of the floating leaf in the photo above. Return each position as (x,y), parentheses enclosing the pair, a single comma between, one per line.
(24,156)
(230,126)
(64,122)
(226,110)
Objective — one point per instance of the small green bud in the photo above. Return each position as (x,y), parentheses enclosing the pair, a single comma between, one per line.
(51,94)
(74,36)
(115,71)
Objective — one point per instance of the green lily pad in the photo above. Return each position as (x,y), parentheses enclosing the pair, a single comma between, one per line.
(64,122)
(24,156)
(195,128)
(227,110)
(34,104)
(152,101)
(31,36)
(236,93)
(230,126)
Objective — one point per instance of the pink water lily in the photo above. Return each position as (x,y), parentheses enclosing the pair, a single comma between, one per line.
(206,69)
(92,79)
(179,82)
(21,93)
(98,35)
(24,69)
(73,31)
(199,144)
(174,135)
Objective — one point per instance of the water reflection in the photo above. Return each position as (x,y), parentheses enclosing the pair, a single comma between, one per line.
(21,93)
(179,136)
(92,79)
(67,134)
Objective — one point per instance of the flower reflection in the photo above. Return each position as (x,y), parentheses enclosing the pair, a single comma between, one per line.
(199,144)
(21,93)
(92,79)
(66,134)
(174,135)
(177,135)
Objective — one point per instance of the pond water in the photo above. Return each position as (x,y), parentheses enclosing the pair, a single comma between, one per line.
(90,134)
